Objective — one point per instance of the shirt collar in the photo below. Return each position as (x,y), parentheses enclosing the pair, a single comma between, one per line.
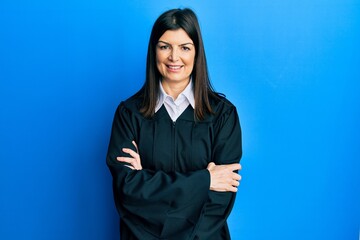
(188,93)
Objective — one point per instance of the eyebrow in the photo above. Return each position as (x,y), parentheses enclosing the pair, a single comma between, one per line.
(160,41)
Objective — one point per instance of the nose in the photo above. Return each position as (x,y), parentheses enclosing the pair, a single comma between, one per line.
(174,56)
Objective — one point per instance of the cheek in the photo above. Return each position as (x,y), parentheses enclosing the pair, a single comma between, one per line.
(160,56)
(160,59)
(190,61)
(158,62)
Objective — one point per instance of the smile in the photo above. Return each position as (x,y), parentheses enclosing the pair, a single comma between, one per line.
(174,67)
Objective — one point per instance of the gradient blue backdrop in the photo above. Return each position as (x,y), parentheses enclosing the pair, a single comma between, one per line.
(292,68)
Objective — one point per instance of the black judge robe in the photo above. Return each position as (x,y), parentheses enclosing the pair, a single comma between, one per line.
(170,197)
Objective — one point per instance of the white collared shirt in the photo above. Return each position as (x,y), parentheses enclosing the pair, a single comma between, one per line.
(176,107)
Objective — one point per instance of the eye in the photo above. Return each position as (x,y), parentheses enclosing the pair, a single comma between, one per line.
(163,47)
(184,48)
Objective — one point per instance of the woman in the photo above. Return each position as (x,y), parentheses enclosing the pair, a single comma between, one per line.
(175,145)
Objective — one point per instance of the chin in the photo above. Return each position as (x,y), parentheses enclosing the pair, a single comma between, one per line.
(176,79)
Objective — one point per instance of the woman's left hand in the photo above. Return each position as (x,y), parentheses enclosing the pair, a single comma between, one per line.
(134,160)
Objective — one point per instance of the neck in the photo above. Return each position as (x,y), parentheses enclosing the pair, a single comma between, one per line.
(174,88)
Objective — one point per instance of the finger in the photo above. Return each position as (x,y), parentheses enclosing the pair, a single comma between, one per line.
(126,159)
(232,189)
(129,166)
(211,165)
(236,176)
(134,163)
(131,152)
(235,183)
(134,143)
(234,166)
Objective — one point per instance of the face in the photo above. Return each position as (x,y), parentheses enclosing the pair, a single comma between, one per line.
(175,56)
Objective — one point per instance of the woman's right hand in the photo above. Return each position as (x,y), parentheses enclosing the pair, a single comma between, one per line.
(223,178)
(134,160)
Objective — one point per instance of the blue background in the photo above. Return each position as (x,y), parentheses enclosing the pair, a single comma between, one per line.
(292,68)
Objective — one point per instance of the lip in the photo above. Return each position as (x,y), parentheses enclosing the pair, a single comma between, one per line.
(174,68)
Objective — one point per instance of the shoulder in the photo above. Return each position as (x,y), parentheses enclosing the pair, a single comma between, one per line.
(131,105)
(221,105)
(224,113)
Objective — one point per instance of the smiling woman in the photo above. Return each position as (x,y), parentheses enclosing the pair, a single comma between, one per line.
(175,56)
(175,145)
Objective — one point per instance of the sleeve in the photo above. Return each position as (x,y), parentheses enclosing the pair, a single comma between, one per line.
(227,149)
(157,201)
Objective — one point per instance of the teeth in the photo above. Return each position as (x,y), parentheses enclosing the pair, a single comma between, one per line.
(174,67)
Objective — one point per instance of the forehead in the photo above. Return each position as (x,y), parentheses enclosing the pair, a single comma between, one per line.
(176,37)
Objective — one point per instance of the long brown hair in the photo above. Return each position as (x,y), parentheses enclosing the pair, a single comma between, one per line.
(172,20)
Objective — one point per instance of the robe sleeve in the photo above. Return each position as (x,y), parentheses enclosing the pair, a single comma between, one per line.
(227,149)
(153,202)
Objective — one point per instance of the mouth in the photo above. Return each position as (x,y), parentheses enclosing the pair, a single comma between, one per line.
(174,67)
